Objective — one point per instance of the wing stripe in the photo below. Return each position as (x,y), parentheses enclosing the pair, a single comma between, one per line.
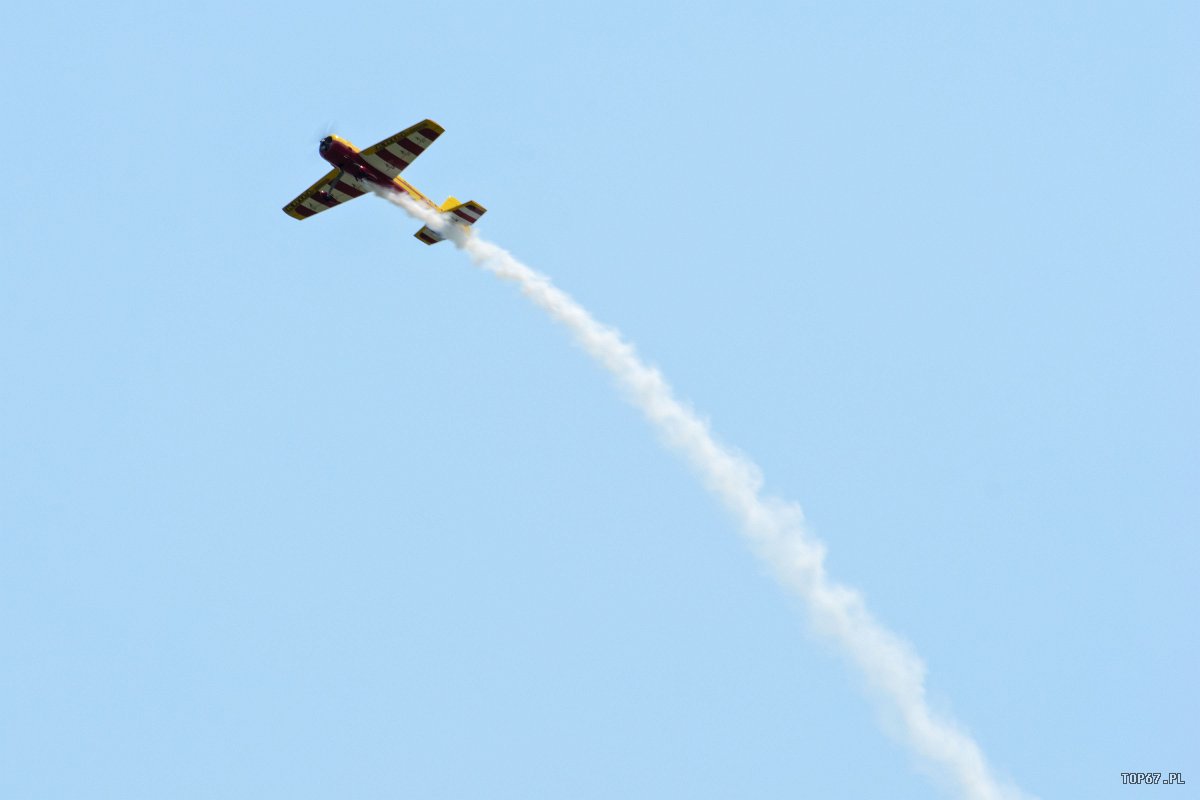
(411,147)
(391,158)
(406,158)
(323,201)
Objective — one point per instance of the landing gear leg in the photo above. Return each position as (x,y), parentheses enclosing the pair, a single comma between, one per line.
(328,195)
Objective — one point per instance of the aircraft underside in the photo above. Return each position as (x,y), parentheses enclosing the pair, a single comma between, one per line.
(357,172)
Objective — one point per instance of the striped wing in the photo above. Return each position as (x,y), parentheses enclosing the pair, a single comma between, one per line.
(395,153)
(325,194)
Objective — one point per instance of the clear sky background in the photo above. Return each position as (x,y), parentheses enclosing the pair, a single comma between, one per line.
(311,510)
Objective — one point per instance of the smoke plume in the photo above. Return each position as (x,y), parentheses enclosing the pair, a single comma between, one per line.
(775,529)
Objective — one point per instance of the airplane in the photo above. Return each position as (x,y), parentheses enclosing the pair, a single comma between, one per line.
(380,164)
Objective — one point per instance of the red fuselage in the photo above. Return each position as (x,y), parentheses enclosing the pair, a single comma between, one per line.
(344,156)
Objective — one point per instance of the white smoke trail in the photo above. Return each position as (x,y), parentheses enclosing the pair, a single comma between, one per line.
(775,528)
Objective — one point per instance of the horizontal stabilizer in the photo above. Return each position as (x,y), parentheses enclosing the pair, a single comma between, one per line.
(467,213)
(428,235)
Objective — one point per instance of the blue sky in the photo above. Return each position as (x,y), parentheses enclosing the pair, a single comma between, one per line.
(309,509)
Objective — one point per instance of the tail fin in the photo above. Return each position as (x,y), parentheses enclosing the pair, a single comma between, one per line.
(467,213)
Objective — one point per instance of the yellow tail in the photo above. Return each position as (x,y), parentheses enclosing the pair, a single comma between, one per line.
(467,213)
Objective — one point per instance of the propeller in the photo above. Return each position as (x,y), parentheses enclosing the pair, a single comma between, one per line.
(326,130)
(319,133)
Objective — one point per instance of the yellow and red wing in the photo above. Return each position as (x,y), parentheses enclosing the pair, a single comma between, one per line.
(325,194)
(393,155)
